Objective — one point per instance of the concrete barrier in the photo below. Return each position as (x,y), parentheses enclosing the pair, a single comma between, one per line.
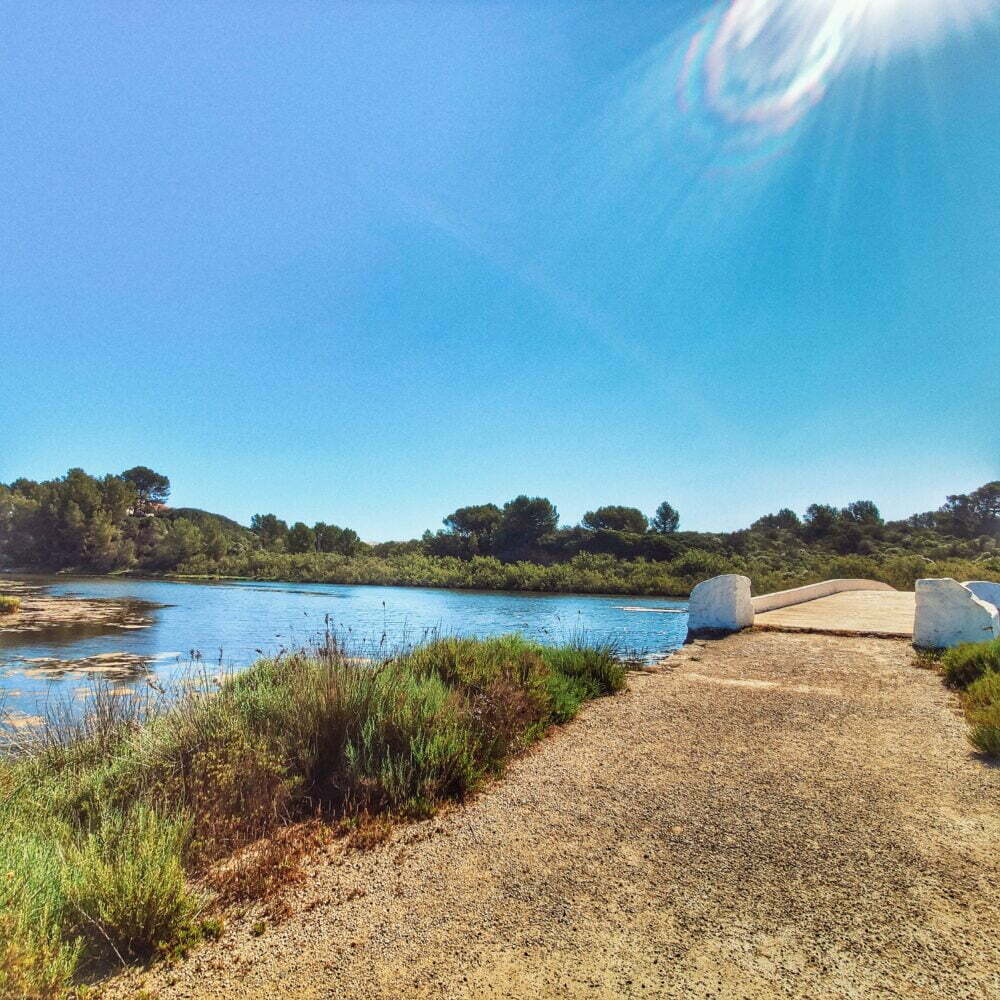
(722,604)
(812,591)
(949,613)
(985,591)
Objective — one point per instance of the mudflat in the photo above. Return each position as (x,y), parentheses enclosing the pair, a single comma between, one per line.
(41,611)
(768,815)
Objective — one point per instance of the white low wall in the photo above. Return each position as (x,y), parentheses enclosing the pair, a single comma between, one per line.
(949,613)
(721,604)
(799,595)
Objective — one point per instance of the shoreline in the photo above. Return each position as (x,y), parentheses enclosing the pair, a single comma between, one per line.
(14,574)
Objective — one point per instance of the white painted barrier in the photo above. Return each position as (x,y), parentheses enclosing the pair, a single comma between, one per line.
(985,591)
(722,604)
(812,591)
(949,613)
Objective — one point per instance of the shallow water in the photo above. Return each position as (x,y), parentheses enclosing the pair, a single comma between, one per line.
(233,623)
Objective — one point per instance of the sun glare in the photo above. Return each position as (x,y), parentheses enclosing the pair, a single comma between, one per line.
(757,66)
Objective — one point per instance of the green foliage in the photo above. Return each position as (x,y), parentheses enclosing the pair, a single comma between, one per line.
(300,538)
(524,523)
(982,702)
(124,882)
(149,486)
(109,823)
(101,525)
(665,520)
(966,663)
(616,518)
(9,604)
(984,732)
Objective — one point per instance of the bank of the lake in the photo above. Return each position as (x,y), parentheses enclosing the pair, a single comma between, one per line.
(153,629)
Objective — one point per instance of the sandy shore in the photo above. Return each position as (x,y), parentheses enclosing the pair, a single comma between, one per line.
(770,815)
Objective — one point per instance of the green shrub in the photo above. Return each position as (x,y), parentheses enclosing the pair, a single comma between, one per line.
(982,703)
(125,886)
(9,604)
(983,692)
(964,664)
(984,733)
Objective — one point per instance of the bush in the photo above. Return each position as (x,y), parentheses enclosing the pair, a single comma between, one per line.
(964,664)
(982,703)
(985,732)
(124,883)
(9,605)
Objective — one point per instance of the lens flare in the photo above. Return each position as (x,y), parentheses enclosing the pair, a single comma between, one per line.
(754,68)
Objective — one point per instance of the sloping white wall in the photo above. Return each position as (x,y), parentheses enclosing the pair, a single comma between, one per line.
(799,595)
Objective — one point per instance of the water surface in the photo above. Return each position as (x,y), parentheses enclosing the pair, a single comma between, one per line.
(234,623)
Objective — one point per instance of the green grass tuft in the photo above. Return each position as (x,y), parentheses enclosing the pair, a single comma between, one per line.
(964,664)
(9,604)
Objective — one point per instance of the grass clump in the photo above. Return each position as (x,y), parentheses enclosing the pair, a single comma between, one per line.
(9,604)
(982,704)
(966,663)
(973,669)
(121,826)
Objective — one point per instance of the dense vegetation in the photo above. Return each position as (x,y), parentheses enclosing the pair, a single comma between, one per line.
(120,831)
(974,670)
(121,523)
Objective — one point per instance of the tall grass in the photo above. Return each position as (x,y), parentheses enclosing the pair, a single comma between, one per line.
(974,670)
(115,824)
(9,604)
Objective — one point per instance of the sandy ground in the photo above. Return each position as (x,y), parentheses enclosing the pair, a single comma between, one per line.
(882,613)
(773,815)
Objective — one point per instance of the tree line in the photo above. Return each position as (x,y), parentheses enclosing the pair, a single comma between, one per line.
(122,522)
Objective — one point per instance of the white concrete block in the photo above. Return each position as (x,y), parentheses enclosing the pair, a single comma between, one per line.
(949,614)
(721,604)
(985,590)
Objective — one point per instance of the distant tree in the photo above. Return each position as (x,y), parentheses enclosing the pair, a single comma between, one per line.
(215,543)
(331,538)
(665,520)
(616,518)
(862,512)
(525,522)
(150,487)
(785,519)
(477,525)
(300,538)
(270,529)
(977,513)
(821,521)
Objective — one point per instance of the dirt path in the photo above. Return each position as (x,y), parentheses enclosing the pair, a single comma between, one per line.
(773,816)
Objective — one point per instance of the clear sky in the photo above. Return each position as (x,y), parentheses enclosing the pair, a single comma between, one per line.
(367,262)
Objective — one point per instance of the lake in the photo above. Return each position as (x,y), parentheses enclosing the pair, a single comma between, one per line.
(234,623)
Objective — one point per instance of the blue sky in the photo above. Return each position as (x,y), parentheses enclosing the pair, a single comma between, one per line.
(366,263)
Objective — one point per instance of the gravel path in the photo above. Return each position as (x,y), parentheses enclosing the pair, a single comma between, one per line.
(773,815)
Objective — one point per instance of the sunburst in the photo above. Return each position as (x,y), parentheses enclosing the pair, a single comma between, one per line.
(757,66)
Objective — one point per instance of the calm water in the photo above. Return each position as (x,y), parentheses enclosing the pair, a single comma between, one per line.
(236,622)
